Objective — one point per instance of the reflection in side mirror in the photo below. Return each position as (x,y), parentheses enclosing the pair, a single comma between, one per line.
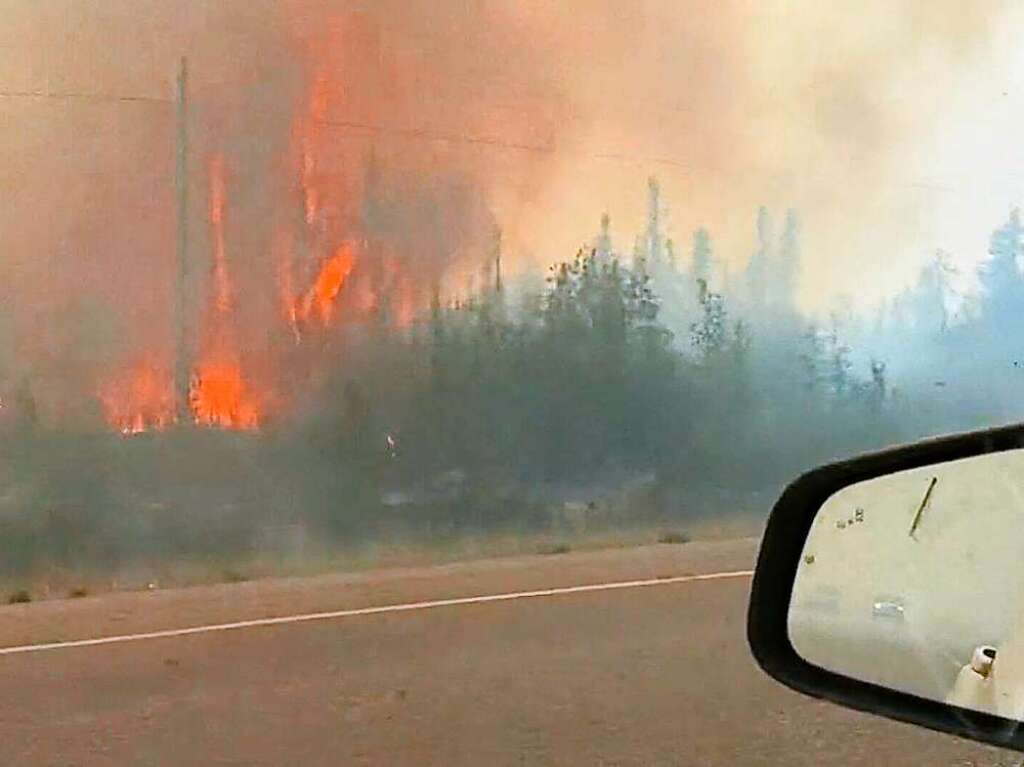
(894,583)
(913,581)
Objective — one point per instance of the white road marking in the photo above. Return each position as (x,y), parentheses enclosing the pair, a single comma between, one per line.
(351,613)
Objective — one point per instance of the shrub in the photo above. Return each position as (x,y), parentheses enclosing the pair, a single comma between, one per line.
(21,596)
(558,548)
(673,537)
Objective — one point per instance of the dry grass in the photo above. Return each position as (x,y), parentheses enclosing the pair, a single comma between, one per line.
(320,558)
(19,597)
(557,548)
(673,537)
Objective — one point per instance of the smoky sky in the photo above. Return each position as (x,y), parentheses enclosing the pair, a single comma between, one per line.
(888,125)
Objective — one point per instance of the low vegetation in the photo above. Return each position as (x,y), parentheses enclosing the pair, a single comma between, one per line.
(557,548)
(673,537)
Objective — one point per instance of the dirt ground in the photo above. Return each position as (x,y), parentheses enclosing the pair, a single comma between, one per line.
(651,676)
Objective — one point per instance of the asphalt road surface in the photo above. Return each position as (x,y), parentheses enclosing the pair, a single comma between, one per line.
(656,675)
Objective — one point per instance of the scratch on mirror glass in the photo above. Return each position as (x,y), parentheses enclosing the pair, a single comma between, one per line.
(922,507)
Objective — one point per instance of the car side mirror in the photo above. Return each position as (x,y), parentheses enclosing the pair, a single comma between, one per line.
(894,583)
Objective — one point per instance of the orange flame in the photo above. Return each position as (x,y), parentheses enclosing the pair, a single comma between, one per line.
(218,394)
(316,248)
(219,397)
(320,298)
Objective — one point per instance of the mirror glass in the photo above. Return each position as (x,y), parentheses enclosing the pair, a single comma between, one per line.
(914,581)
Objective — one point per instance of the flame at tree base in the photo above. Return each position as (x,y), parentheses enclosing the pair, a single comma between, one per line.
(329,273)
(219,397)
(143,401)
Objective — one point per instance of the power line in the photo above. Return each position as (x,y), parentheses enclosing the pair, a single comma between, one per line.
(460,138)
(78,96)
(410,133)
(452,138)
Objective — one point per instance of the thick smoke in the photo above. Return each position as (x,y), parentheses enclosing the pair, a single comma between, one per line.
(531,118)
(327,124)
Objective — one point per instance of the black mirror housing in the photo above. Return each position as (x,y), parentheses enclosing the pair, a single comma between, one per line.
(785,534)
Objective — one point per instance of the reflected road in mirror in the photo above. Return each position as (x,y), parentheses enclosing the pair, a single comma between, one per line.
(914,581)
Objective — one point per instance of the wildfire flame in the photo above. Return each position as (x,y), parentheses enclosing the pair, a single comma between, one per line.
(320,299)
(319,252)
(218,393)
(218,397)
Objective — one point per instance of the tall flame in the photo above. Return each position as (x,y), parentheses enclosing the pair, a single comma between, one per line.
(320,298)
(219,393)
(327,272)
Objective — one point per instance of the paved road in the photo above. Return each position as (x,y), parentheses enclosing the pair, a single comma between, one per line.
(651,676)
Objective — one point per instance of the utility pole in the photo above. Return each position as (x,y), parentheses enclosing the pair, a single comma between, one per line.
(497,264)
(182,361)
